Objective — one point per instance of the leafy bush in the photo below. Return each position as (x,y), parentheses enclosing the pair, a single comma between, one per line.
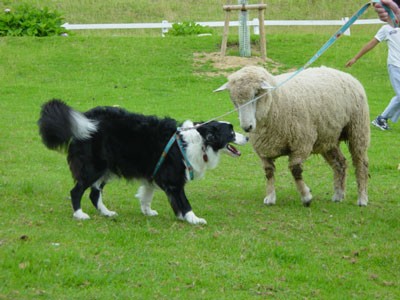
(27,20)
(188,28)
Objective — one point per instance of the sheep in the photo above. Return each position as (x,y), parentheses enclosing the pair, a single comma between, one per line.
(310,113)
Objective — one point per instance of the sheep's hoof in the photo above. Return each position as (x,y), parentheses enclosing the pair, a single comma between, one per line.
(306,200)
(362,202)
(270,199)
(338,196)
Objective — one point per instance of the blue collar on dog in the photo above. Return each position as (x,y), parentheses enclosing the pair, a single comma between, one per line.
(176,137)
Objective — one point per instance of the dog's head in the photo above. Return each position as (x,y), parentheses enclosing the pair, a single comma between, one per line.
(219,135)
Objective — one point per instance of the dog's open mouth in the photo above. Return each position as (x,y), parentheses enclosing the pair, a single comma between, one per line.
(232,151)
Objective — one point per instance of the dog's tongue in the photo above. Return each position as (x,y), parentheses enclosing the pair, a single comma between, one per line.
(232,150)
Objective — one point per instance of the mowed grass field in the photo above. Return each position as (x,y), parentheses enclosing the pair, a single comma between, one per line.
(143,11)
(247,250)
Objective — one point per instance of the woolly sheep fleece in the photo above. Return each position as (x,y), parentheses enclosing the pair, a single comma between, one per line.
(310,114)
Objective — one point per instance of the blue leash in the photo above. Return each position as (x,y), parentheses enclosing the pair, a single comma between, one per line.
(186,160)
(338,34)
(177,138)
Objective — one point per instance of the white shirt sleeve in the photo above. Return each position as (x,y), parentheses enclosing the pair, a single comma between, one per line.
(382,33)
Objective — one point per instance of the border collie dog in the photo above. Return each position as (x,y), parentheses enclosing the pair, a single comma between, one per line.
(108,141)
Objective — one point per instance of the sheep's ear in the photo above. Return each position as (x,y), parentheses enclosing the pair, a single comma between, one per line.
(266,86)
(223,87)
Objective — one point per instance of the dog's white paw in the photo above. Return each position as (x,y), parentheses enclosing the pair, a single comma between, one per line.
(191,218)
(270,199)
(147,211)
(109,213)
(80,215)
(104,210)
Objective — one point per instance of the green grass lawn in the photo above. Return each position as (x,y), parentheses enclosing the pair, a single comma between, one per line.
(143,11)
(247,250)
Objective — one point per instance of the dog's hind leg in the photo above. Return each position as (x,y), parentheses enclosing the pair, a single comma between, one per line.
(145,195)
(97,199)
(76,196)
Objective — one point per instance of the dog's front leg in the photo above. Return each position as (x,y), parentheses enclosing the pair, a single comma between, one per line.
(191,218)
(181,206)
(145,195)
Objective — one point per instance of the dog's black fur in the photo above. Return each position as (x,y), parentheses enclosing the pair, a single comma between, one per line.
(109,140)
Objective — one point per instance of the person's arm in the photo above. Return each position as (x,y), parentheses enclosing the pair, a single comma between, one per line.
(367,47)
(382,13)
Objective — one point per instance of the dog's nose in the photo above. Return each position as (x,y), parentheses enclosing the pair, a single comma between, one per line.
(247,138)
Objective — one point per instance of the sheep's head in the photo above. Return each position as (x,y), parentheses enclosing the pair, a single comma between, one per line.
(244,87)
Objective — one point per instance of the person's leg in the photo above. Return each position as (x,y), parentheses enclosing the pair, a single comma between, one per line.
(392,111)
(381,123)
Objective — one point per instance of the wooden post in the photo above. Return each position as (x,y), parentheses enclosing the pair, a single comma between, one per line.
(245,7)
(263,47)
(226,33)
(228,8)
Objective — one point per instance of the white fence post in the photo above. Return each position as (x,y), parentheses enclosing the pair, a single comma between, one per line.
(164,30)
(256,26)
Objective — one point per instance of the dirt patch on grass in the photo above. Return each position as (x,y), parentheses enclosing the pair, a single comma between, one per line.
(213,64)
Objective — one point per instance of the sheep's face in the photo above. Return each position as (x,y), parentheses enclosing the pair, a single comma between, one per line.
(247,116)
(244,98)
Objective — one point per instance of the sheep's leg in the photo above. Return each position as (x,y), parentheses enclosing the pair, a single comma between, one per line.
(361,165)
(269,168)
(337,161)
(295,166)
(358,145)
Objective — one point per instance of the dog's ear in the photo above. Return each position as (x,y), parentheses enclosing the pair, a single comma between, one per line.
(207,133)
(210,138)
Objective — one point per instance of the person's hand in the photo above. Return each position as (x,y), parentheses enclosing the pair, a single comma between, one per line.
(351,62)
(382,13)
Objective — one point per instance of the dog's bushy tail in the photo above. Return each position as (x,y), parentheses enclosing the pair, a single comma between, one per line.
(59,123)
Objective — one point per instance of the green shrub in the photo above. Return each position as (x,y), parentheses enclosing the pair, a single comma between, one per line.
(188,28)
(26,20)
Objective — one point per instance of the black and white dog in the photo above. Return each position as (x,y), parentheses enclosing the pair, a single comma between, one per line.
(107,141)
